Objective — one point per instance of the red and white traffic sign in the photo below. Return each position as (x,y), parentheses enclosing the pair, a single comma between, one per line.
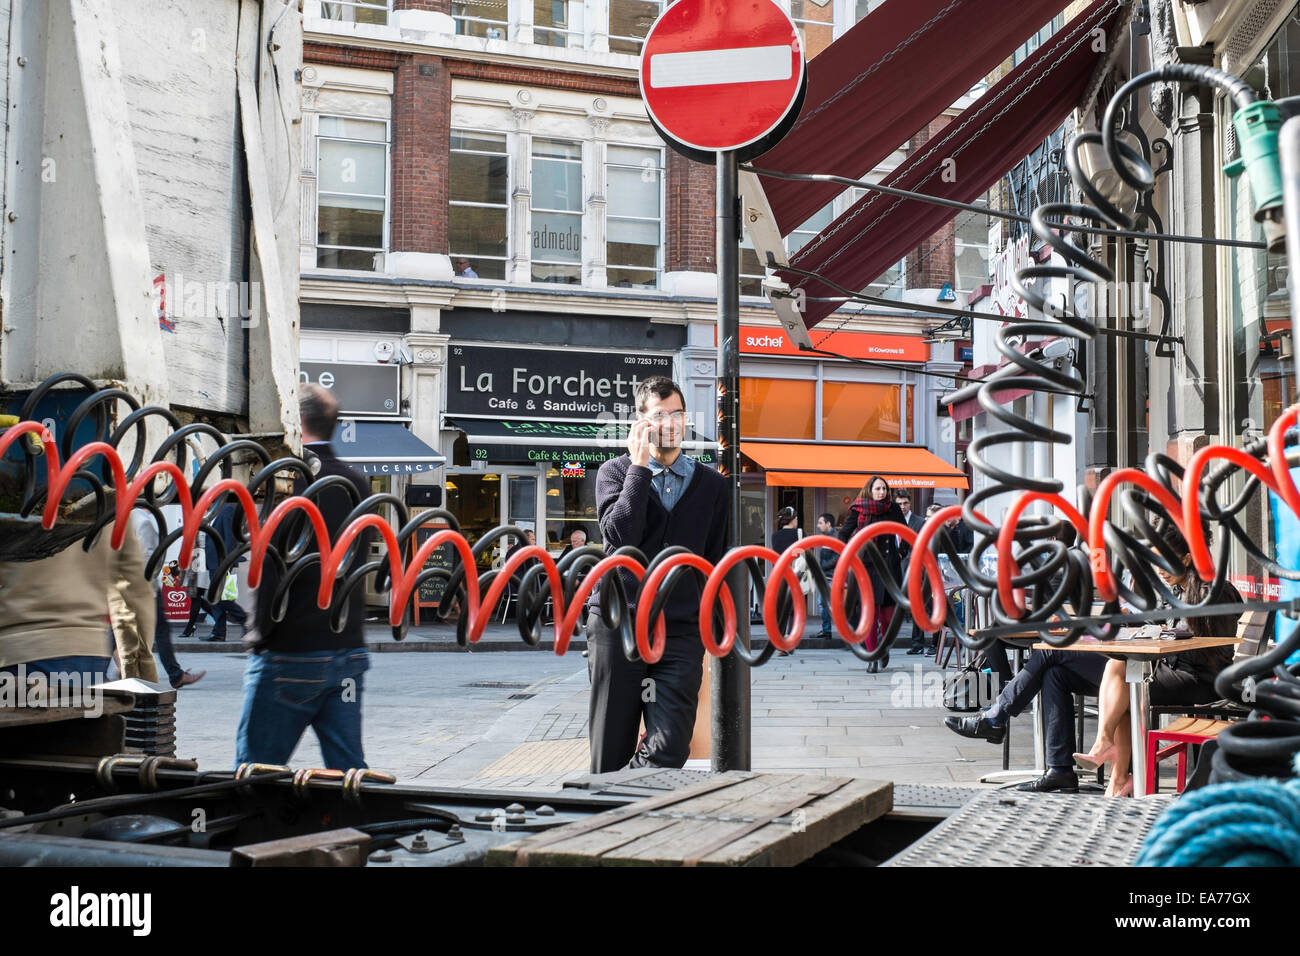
(721,74)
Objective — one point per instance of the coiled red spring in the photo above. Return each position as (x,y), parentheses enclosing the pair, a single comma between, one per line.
(569,584)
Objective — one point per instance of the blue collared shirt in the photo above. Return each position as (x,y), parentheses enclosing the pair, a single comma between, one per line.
(670,482)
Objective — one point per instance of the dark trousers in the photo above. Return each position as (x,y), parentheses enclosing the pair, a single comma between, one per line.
(162,641)
(623,692)
(1057,676)
(219,611)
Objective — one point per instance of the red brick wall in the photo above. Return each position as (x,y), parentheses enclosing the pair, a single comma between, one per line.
(554,79)
(420,152)
(345,56)
(691,244)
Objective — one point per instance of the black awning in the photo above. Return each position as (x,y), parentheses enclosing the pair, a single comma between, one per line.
(383,448)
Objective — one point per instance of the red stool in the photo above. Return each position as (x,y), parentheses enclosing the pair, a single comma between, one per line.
(1182,733)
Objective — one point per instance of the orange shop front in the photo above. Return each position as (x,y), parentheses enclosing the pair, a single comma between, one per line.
(814,429)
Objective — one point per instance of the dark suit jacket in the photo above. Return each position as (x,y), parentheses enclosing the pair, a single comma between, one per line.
(305,626)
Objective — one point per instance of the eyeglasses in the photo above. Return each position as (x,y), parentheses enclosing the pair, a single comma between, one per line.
(658,418)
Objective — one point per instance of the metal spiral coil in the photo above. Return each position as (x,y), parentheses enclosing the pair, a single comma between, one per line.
(290,533)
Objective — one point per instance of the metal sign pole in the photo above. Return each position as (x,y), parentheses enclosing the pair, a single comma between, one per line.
(729,675)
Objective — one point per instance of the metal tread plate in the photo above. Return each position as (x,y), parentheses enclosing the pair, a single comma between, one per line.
(912,796)
(639,783)
(1005,828)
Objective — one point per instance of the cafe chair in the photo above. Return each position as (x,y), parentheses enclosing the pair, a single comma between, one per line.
(1199,723)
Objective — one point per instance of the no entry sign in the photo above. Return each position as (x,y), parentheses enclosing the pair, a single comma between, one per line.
(721,75)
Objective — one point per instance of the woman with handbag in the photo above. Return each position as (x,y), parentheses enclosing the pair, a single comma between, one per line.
(875,503)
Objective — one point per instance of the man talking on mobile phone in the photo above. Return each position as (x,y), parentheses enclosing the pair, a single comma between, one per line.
(653,498)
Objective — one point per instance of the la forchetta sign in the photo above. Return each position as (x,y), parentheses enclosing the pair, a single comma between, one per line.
(547,383)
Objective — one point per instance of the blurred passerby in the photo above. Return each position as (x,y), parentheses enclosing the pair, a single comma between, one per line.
(301,673)
(146,532)
(52,611)
(226,607)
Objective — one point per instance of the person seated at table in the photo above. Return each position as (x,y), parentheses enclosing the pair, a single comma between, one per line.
(1057,676)
(1185,679)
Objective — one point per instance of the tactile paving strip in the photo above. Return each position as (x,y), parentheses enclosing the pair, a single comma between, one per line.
(1002,828)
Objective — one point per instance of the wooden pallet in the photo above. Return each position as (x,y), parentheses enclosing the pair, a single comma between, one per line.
(732,819)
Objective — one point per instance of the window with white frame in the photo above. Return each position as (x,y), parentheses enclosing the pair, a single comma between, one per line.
(479,194)
(971,254)
(634,216)
(482,18)
(352,192)
(629,22)
(559,23)
(356,11)
(556,211)
(815,21)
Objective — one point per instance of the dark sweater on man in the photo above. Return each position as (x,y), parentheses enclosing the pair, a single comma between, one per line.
(631,513)
(305,626)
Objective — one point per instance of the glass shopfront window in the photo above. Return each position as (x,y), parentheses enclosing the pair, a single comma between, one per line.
(570,503)
(778,408)
(1255,342)
(860,411)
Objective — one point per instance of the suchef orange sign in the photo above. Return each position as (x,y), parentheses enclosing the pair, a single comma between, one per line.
(767,340)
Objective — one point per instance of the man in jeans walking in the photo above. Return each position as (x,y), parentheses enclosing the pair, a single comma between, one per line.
(302,673)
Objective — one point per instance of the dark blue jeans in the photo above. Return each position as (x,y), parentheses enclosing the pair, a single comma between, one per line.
(95,666)
(284,694)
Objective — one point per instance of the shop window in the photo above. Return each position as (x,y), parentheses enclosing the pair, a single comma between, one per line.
(815,21)
(479,201)
(862,8)
(558,23)
(475,500)
(570,503)
(778,408)
(352,192)
(356,11)
(557,211)
(634,220)
(481,18)
(857,411)
(629,22)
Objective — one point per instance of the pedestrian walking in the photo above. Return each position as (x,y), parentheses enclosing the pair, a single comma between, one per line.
(874,504)
(652,498)
(301,674)
(826,559)
(145,528)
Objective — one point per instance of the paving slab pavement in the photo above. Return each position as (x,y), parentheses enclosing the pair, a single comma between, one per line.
(510,720)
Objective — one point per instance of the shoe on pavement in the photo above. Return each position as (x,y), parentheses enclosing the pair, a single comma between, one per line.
(915,650)
(1054,781)
(215,637)
(187,678)
(976,727)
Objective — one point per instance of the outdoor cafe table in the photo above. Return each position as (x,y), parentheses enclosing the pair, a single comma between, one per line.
(1140,655)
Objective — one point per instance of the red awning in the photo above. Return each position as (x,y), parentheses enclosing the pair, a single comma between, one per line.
(961,162)
(871,89)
